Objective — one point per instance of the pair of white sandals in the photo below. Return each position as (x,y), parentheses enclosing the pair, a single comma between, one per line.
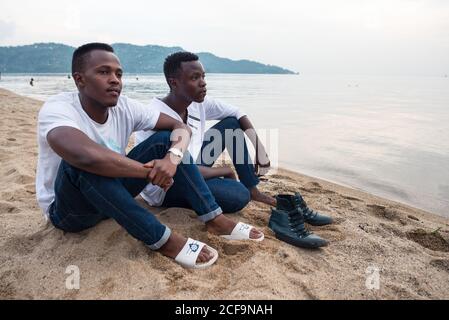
(189,254)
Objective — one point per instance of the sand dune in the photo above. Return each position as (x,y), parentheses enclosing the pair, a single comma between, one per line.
(409,247)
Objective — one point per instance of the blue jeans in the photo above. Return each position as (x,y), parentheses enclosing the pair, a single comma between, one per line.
(245,170)
(231,195)
(83,199)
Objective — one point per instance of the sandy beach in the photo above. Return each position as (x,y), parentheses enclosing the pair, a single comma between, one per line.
(409,247)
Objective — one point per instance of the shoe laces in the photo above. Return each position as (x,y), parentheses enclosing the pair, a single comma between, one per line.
(296,220)
(302,205)
(310,214)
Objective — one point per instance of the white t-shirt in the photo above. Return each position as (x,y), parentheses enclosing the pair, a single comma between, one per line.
(65,110)
(199,113)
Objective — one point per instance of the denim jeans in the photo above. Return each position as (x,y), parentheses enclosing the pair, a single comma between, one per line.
(231,195)
(83,199)
(245,169)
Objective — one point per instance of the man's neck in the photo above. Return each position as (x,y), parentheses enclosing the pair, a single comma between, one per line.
(178,104)
(94,110)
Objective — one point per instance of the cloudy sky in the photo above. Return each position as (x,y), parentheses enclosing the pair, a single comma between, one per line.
(384,37)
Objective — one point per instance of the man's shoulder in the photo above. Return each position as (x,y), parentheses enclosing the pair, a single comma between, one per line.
(132,109)
(59,103)
(125,102)
(156,104)
(209,102)
(63,97)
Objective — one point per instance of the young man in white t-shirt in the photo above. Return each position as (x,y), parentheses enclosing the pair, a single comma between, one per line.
(84,175)
(187,102)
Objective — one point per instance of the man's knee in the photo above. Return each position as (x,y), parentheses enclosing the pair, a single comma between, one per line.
(163,136)
(231,123)
(244,198)
(240,201)
(154,147)
(68,169)
(74,174)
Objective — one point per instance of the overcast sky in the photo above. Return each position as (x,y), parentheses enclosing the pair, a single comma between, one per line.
(397,37)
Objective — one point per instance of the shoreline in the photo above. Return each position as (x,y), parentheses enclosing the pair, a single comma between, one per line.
(409,246)
(356,191)
(360,189)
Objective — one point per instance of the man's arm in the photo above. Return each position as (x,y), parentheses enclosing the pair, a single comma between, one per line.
(181,132)
(79,150)
(261,154)
(216,110)
(162,171)
(209,173)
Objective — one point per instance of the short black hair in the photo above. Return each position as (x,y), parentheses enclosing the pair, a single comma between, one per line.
(81,54)
(173,62)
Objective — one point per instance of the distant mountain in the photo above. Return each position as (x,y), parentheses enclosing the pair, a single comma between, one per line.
(56,58)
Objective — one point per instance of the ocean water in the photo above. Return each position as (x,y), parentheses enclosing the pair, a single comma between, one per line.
(385,135)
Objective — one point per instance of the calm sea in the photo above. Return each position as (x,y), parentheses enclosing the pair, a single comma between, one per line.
(385,135)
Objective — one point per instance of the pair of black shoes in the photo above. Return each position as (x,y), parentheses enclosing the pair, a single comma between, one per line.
(289,218)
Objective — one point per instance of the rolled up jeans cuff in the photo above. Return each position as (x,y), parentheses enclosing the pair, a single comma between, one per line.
(210,216)
(162,241)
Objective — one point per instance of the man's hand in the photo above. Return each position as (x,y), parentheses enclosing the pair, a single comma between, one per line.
(162,172)
(262,164)
(229,173)
(167,186)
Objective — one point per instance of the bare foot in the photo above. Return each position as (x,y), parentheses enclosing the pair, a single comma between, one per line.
(258,196)
(175,244)
(224,226)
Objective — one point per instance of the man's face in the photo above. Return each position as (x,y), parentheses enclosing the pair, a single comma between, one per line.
(190,83)
(101,78)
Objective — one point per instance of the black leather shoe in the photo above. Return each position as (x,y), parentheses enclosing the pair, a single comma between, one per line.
(290,203)
(289,227)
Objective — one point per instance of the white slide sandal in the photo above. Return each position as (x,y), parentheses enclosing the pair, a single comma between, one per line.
(242,232)
(189,254)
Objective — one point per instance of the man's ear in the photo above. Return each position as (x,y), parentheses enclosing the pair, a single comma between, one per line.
(79,79)
(173,83)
